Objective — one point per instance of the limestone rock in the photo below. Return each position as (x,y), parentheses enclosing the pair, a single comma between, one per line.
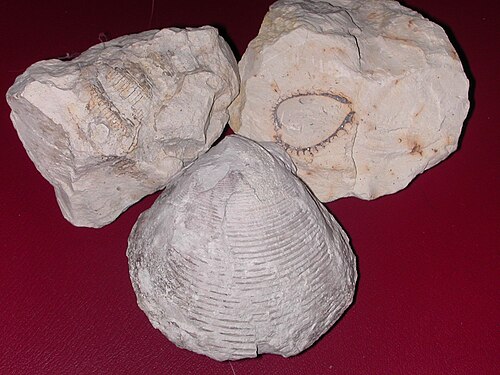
(237,258)
(363,94)
(117,122)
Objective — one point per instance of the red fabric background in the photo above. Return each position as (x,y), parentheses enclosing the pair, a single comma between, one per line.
(427,300)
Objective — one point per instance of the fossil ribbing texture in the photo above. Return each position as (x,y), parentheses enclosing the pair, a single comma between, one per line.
(237,257)
(363,94)
(117,122)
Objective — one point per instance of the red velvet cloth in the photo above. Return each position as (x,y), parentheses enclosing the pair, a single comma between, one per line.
(427,300)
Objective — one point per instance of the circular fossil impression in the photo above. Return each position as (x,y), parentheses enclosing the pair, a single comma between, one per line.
(237,258)
(305,123)
(314,63)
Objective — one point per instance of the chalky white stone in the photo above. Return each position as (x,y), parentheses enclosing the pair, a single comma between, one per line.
(237,258)
(363,94)
(117,122)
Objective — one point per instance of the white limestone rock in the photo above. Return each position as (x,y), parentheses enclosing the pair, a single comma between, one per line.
(117,122)
(237,258)
(363,94)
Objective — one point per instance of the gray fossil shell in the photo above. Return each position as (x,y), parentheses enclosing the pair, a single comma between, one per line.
(117,122)
(237,257)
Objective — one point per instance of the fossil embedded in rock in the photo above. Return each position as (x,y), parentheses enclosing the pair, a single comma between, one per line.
(291,114)
(117,122)
(363,95)
(237,257)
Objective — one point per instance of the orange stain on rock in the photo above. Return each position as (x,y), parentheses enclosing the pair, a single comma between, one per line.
(419,111)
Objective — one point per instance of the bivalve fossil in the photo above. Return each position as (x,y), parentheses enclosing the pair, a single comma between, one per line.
(238,258)
(117,122)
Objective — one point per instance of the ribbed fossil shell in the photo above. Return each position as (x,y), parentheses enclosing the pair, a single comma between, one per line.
(363,94)
(117,122)
(237,257)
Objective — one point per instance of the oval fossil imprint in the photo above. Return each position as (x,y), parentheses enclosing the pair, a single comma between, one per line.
(306,123)
(237,258)
(363,94)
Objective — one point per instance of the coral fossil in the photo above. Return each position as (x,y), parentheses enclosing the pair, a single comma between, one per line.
(117,122)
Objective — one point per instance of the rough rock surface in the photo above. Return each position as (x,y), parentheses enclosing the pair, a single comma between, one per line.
(117,122)
(363,94)
(237,258)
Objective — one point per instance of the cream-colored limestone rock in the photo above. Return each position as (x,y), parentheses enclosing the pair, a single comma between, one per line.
(117,122)
(363,94)
(237,257)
